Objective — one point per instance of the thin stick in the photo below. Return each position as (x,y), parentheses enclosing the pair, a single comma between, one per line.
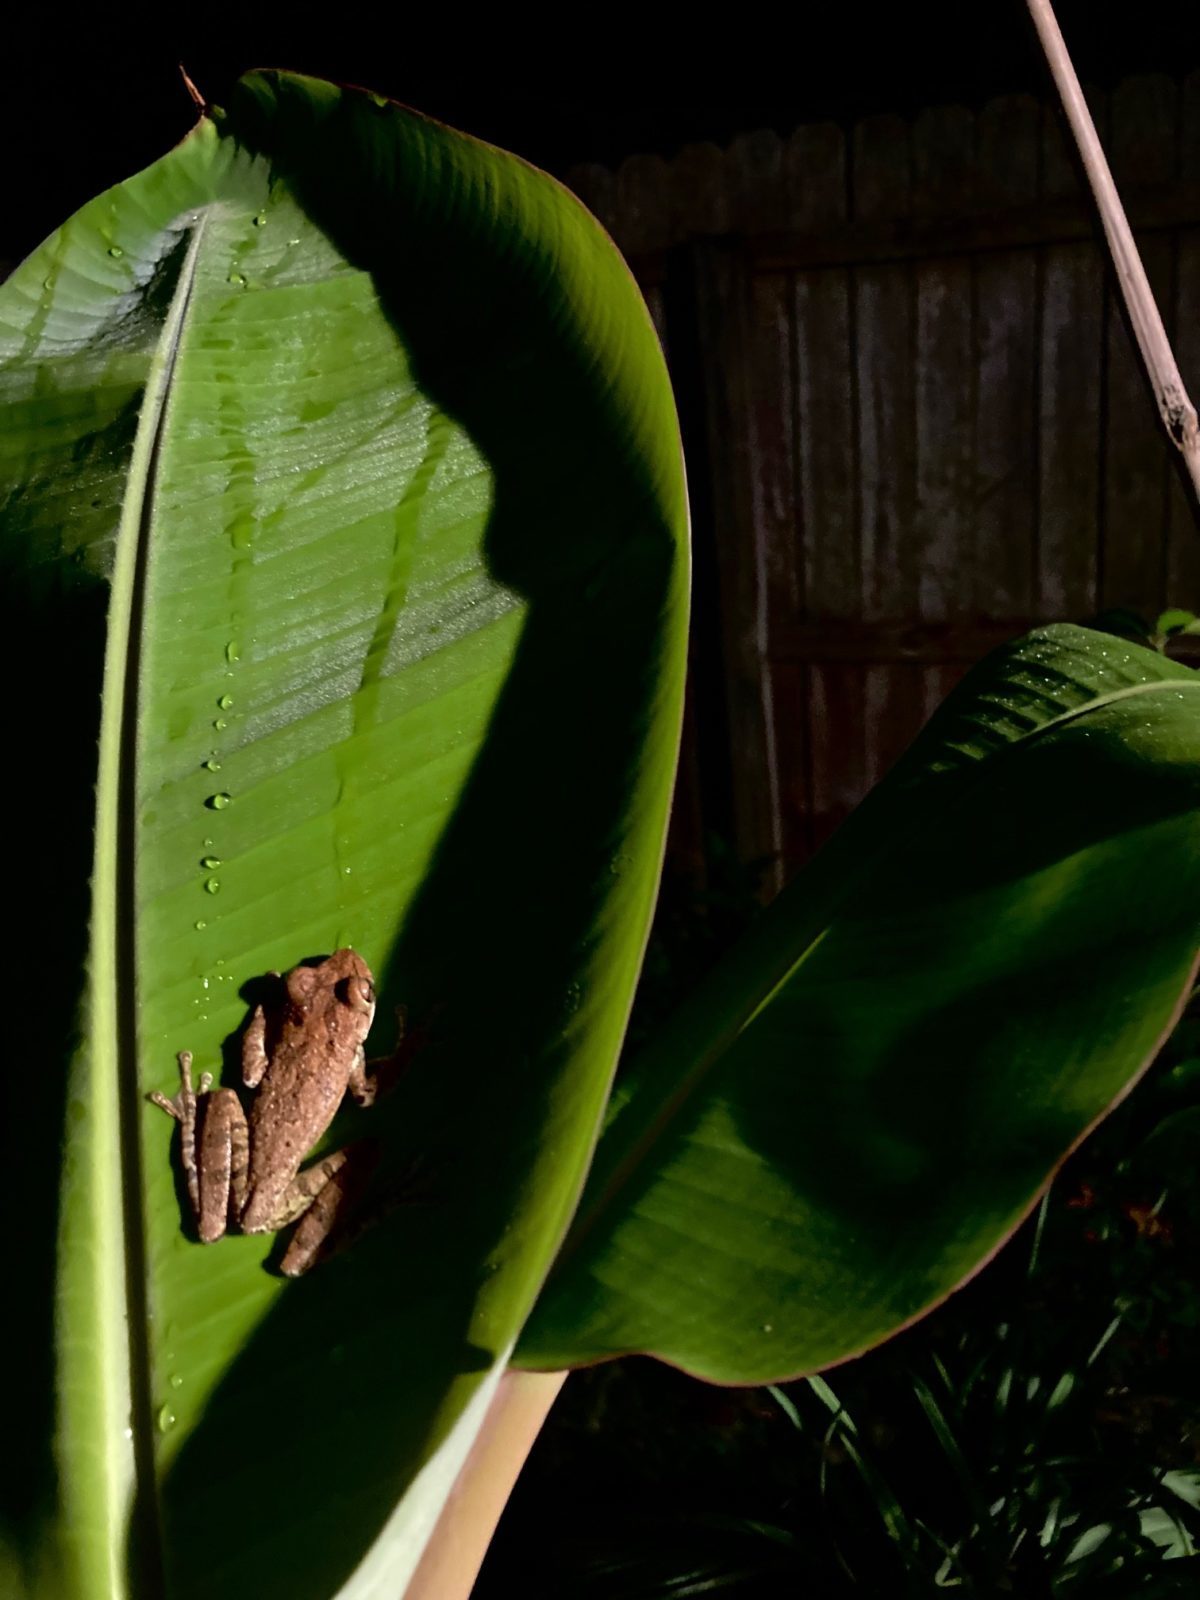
(198,100)
(1178,412)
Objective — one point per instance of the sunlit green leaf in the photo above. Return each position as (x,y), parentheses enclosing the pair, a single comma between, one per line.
(343,534)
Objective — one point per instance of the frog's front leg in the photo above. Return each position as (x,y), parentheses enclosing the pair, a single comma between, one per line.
(369,1080)
(254,1049)
(364,1080)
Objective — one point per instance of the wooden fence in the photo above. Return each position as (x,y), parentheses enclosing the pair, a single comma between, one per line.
(913,419)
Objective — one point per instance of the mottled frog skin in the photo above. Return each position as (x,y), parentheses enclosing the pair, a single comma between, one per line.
(300,1057)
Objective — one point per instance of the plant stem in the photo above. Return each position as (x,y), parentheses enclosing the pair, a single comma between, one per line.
(1177,411)
(455,1552)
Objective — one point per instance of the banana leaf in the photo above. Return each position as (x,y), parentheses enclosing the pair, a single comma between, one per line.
(344,541)
(867,1098)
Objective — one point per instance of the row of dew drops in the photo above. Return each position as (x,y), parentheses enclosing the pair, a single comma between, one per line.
(165,1415)
(209,863)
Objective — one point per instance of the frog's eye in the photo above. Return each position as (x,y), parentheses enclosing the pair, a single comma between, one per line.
(360,993)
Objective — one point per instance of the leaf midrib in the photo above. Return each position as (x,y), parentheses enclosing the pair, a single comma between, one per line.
(122,1340)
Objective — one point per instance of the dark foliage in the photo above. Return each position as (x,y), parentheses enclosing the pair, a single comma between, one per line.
(1038,1435)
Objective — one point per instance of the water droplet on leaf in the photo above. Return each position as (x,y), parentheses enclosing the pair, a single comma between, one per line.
(218,802)
(212,885)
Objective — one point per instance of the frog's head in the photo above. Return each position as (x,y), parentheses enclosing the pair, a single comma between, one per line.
(345,978)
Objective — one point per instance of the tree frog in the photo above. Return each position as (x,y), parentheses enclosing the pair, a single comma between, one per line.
(300,1058)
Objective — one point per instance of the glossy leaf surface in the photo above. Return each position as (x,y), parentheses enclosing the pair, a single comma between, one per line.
(344,545)
(869,1095)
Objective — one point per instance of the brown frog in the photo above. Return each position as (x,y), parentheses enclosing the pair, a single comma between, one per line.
(300,1059)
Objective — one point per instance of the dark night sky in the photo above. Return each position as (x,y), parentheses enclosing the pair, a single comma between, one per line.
(75,122)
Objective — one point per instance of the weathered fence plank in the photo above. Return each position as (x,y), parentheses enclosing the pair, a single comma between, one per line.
(1070,392)
(825,446)
(943,159)
(883,356)
(716,280)
(1004,502)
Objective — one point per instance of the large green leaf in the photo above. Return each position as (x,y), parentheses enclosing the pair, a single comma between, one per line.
(870,1094)
(340,477)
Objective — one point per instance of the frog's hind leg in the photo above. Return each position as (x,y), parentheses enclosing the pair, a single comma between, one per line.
(412,1185)
(323,1197)
(224,1164)
(184,1108)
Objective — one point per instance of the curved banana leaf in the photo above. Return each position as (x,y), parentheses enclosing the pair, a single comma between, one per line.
(870,1095)
(345,568)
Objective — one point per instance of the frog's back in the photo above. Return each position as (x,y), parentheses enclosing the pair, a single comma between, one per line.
(326,1016)
(294,1106)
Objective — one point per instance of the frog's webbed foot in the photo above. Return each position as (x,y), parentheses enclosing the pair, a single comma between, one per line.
(183,1107)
